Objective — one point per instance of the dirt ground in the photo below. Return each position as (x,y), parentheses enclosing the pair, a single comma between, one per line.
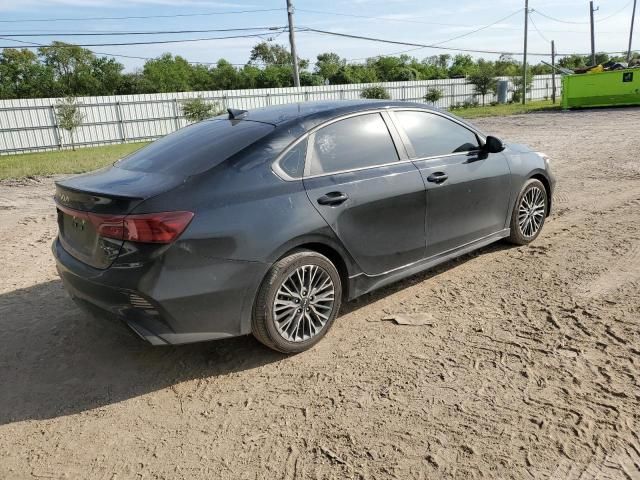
(530,370)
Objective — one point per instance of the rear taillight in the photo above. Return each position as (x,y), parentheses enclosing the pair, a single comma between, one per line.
(163,227)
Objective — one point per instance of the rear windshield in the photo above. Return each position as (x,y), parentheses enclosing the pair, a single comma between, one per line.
(196,148)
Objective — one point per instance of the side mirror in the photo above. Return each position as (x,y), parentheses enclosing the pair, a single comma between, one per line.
(493,145)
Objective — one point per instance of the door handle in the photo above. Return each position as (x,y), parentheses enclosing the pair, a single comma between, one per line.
(438,177)
(333,199)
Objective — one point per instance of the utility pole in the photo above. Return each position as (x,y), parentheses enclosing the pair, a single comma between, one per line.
(553,71)
(593,33)
(633,19)
(524,60)
(292,41)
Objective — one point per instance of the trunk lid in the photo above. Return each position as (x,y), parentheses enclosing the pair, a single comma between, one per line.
(86,201)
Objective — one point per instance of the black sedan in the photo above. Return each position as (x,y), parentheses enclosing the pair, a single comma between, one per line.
(265,221)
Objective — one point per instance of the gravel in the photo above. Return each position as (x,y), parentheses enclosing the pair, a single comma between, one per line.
(529,369)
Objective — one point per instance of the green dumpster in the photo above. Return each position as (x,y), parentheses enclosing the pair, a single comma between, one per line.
(618,87)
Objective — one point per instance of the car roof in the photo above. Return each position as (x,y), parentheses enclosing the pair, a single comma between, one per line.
(309,114)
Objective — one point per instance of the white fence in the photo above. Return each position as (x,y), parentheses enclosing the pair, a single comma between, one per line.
(30,124)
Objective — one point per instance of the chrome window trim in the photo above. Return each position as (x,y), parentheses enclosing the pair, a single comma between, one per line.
(312,136)
(275,166)
(480,136)
(410,148)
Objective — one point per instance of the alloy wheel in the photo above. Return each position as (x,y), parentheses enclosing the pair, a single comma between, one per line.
(304,303)
(531,212)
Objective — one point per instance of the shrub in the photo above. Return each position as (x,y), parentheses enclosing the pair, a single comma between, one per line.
(69,116)
(516,89)
(376,93)
(483,82)
(433,95)
(472,103)
(198,109)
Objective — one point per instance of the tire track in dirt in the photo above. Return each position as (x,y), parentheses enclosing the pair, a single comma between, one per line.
(518,377)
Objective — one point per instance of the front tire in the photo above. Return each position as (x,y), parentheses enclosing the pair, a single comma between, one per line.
(297,302)
(529,213)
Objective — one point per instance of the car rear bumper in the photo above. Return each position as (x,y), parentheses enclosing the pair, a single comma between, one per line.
(165,303)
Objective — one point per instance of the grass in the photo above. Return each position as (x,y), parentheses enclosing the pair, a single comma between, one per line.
(507,109)
(65,161)
(87,159)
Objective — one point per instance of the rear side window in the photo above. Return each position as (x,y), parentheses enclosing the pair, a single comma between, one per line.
(433,135)
(356,142)
(292,162)
(196,148)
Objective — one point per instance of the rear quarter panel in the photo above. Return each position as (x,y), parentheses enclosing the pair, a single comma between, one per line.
(244,213)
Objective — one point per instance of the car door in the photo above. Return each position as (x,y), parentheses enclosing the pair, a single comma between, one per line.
(373,201)
(468,190)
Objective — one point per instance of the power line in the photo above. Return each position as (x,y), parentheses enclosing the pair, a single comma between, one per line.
(535,27)
(138,17)
(390,54)
(549,17)
(156,32)
(387,19)
(155,42)
(479,29)
(406,20)
(614,14)
(444,41)
(37,45)
(412,44)
(571,22)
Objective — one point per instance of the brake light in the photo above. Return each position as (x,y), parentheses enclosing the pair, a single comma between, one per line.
(162,227)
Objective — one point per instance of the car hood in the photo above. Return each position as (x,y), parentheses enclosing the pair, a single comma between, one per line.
(518,148)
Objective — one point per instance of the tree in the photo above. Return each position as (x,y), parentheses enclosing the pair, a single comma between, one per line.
(248,77)
(72,68)
(200,78)
(69,116)
(483,81)
(273,54)
(462,66)
(356,74)
(573,61)
(168,74)
(224,76)
(198,109)
(375,92)
(106,76)
(63,69)
(328,65)
(134,83)
(275,76)
(506,66)
(433,95)
(23,76)
(517,86)
(308,79)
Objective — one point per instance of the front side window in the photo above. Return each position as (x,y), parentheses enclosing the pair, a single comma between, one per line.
(433,135)
(355,142)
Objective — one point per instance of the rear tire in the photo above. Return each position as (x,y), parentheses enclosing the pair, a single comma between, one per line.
(297,302)
(529,213)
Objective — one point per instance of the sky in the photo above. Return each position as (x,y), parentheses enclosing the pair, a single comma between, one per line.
(415,21)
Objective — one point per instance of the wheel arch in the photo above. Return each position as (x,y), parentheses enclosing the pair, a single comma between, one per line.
(324,244)
(547,186)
